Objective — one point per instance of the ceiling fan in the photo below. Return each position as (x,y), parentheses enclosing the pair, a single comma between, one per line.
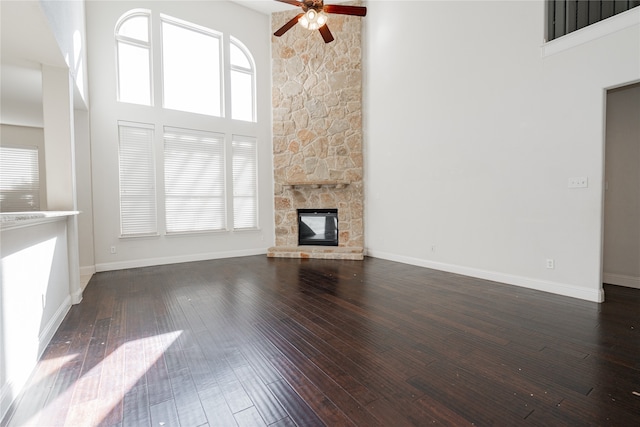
(314,16)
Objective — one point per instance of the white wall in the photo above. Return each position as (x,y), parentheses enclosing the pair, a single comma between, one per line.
(622,194)
(40,266)
(21,94)
(83,190)
(253,30)
(44,85)
(34,298)
(66,21)
(471,136)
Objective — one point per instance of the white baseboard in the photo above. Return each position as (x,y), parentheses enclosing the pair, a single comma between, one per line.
(88,270)
(595,295)
(621,280)
(148,262)
(52,326)
(85,275)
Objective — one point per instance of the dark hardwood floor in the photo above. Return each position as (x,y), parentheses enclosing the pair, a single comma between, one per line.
(284,342)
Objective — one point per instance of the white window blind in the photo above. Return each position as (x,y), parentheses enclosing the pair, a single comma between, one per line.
(245,183)
(194,180)
(138,215)
(19,179)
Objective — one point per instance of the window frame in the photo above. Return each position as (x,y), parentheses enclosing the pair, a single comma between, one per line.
(136,43)
(249,71)
(255,185)
(37,190)
(172,135)
(162,118)
(153,225)
(163,18)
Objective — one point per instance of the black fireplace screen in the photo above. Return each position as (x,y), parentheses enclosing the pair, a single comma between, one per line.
(318,227)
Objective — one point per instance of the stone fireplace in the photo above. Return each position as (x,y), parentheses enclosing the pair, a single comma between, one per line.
(317,134)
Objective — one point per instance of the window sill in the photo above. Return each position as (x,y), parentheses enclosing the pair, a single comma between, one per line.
(592,32)
(171,234)
(138,236)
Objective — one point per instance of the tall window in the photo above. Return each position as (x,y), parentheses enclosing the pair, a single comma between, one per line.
(245,183)
(193,152)
(133,46)
(191,71)
(19,179)
(137,180)
(194,180)
(242,82)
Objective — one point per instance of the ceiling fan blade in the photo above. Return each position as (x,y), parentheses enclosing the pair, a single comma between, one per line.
(286,27)
(291,2)
(345,10)
(326,34)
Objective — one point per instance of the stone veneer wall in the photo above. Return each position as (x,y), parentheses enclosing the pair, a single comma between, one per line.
(317,127)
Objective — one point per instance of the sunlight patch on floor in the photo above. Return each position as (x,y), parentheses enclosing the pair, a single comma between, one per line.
(89,399)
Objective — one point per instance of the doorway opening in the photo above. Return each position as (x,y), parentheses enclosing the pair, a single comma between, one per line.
(621,219)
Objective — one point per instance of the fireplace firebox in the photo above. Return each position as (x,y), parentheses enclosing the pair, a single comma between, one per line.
(318,227)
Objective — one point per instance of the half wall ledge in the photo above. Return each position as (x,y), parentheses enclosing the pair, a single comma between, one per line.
(317,252)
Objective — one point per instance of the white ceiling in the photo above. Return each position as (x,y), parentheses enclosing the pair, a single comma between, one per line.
(265,6)
(25,35)
(270,6)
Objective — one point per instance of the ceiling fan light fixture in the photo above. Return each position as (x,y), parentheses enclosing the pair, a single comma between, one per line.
(312,19)
(313,16)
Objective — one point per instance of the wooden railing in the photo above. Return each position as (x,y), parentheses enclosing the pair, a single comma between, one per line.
(566,16)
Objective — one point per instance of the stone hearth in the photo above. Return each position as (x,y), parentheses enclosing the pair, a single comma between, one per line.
(320,252)
(317,131)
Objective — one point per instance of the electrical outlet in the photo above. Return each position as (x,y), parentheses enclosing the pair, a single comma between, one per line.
(113,249)
(551,263)
(578,182)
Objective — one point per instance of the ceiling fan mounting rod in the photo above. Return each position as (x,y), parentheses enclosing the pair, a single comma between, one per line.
(316,5)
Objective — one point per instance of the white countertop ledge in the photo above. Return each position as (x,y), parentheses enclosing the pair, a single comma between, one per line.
(19,219)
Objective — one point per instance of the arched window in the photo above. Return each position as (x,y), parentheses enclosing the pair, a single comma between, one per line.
(133,47)
(194,191)
(243,82)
